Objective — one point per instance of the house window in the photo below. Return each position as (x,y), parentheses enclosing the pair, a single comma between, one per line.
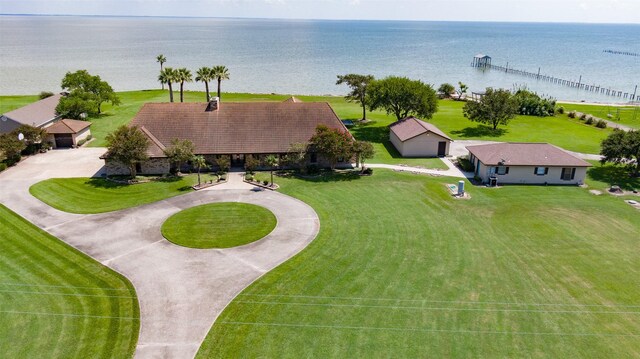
(568,174)
(502,170)
(541,171)
(314,157)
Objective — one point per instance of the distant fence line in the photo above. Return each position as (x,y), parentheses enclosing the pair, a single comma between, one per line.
(616,52)
(631,96)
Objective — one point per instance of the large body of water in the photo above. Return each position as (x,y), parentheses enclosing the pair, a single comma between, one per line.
(304,57)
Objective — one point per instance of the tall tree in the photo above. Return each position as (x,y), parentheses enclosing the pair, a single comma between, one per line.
(622,147)
(403,97)
(199,163)
(11,146)
(272,162)
(179,152)
(75,104)
(161,60)
(82,81)
(446,89)
(333,144)
(127,145)
(496,107)
(358,85)
(220,73)
(183,75)
(205,74)
(168,76)
(363,151)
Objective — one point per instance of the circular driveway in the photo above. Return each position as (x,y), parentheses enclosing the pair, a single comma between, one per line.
(181,290)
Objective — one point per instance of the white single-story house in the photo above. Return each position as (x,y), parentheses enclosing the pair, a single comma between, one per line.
(526,163)
(415,138)
(68,133)
(40,114)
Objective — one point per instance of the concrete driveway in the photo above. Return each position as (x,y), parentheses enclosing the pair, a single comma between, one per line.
(181,290)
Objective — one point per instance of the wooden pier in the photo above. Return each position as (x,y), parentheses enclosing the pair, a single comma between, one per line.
(484,62)
(627,53)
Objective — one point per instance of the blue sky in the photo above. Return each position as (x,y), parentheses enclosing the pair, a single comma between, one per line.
(608,11)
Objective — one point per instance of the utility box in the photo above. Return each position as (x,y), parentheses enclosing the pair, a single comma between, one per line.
(460,188)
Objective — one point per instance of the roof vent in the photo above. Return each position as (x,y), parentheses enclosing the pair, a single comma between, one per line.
(214,104)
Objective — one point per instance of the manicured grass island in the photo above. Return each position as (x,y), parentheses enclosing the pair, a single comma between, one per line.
(96,195)
(56,302)
(219,225)
(401,269)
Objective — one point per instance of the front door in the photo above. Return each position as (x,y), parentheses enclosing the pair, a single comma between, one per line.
(442,149)
(237,160)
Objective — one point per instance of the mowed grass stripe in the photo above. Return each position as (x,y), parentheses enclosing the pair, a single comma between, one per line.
(396,236)
(72,323)
(94,195)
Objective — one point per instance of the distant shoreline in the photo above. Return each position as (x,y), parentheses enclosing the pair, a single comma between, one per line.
(316,19)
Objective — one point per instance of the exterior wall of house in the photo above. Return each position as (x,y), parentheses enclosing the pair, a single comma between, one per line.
(425,145)
(82,135)
(396,143)
(526,175)
(154,166)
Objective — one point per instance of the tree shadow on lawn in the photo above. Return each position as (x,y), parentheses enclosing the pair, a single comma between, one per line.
(480,131)
(614,175)
(368,132)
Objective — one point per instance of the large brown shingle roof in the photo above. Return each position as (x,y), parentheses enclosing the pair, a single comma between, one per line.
(236,127)
(525,154)
(412,127)
(36,114)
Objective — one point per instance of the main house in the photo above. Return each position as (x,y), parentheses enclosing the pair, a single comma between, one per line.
(42,114)
(231,129)
(415,138)
(526,163)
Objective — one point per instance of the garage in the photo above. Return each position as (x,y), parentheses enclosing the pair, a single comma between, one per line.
(63,140)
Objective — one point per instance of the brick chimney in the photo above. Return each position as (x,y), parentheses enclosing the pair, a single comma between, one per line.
(214,104)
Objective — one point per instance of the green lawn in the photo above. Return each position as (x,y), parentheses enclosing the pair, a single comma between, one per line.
(219,225)
(561,131)
(55,302)
(625,115)
(401,269)
(10,103)
(94,195)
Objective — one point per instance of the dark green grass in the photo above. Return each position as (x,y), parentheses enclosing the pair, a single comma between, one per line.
(10,103)
(94,195)
(56,302)
(219,225)
(401,269)
(625,115)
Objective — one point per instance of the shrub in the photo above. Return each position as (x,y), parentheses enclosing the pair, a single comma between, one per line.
(446,89)
(601,124)
(11,161)
(89,137)
(590,120)
(560,110)
(529,103)
(313,169)
(82,142)
(265,182)
(248,177)
(368,171)
(572,114)
(583,117)
(465,164)
(3,166)
(45,94)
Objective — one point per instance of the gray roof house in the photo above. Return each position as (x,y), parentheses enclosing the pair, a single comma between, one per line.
(38,114)
(415,138)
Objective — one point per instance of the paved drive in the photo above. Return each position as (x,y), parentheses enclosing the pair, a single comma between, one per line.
(181,290)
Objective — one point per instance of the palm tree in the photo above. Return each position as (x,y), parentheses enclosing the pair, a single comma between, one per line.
(199,163)
(205,74)
(272,162)
(220,73)
(161,59)
(183,75)
(168,76)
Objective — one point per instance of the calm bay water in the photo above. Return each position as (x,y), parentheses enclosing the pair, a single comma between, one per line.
(304,57)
